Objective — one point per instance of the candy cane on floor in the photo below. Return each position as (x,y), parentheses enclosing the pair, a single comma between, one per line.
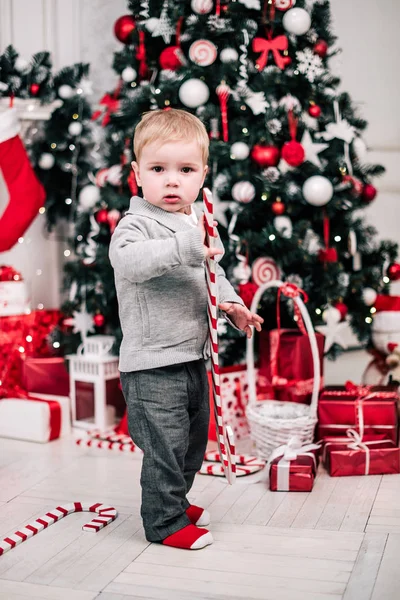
(107,514)
(225,438)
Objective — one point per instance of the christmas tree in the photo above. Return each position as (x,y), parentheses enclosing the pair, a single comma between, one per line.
(287,158)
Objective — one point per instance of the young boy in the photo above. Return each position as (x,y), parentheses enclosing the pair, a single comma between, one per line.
(158,252)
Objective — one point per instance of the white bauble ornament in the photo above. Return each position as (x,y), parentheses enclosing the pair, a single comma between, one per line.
(46,161)
(242,272)
(317,190)
(129,74)
(202,7)
(369,296)
(331,314)
(193,93)
(239,151)
(284,226)
(203,53)
(75,128)
(66,91)
(296,21)
(228,55)
(21,65)
(243,192)
(88,197)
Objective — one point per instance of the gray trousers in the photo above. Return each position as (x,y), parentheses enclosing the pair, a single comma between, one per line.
(168,415)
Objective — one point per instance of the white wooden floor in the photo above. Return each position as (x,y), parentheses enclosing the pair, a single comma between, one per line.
(341,541)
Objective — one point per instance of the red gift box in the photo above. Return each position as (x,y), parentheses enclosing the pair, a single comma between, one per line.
(362,458)
(22,336)
(293,468)
(286,365)
(342,408)
(45,376)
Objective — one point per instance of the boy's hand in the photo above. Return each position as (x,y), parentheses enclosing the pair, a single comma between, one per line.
(242,317)
(208,252)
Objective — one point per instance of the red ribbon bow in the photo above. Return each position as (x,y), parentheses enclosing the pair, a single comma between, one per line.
(111,103)
(274,45)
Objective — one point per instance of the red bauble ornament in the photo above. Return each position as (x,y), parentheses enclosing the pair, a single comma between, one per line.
(34,89)
(123,29)
(342,308)
(314,111)
(357,185)
(278,208)
(247,292)
(369,192)
(265,156)
(393,271)
(293,152)
(99,320)
(102,216)
(321,48)
(286,61)
(172,58)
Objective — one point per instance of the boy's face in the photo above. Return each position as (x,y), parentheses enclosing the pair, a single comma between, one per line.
(171,175)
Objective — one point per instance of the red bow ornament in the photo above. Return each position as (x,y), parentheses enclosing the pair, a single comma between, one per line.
(274,45)
(111,104)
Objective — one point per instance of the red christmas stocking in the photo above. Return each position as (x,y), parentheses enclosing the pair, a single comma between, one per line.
(26,193)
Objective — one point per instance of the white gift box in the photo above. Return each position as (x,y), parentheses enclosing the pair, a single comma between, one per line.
(32,420)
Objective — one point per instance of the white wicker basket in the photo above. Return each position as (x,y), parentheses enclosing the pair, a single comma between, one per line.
(272,423)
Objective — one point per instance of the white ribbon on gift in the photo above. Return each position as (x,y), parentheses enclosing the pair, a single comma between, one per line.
(289,452)
(355,438)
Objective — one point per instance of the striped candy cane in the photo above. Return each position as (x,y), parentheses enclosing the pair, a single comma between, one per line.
(225,438)
(107,514)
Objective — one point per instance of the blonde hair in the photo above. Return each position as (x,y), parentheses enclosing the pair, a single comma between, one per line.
(173,125)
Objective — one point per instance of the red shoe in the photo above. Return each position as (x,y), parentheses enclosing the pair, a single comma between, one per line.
(198,516)
(189,538)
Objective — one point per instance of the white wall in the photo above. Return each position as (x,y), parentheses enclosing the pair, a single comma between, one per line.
(75,30)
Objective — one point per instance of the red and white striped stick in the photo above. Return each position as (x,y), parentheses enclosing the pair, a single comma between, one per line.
(107,514)
(108,440)
(245,464)
(225,438)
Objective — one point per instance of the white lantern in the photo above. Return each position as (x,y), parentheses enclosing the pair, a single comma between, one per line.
(194,93)
(369,296)
(46,161)
(317,190)
(284,226)
(93,365)
(243,192)
(202,7)
(65,91)
(228,55)
(75,128)
(129,74)
(296,21)
(239,151)
(89,196)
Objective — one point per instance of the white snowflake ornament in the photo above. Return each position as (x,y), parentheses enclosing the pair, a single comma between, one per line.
(82,322)
(309,64)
